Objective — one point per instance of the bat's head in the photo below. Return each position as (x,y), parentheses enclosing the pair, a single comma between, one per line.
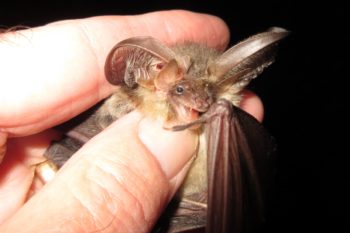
(187,96)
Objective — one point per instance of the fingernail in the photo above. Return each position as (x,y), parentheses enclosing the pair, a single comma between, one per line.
(3,140)
(173,150)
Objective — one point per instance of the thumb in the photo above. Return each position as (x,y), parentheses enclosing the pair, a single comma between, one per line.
(120,181)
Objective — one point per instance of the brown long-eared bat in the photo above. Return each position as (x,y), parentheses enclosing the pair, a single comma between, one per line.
(193,87)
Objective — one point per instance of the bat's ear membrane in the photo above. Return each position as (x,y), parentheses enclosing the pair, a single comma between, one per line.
(169,75)
(247,59)
(137,60)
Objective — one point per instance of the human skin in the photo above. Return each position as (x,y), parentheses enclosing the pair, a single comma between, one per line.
(118,182)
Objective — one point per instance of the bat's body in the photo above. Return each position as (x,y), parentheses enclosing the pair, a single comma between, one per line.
(192,87)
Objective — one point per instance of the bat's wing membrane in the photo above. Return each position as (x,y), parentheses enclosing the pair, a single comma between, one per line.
(239,163)
(240,155)
(247,59)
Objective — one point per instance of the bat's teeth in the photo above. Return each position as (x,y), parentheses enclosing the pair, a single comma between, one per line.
(193,114)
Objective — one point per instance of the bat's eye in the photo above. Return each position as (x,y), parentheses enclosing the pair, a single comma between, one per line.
(179,90)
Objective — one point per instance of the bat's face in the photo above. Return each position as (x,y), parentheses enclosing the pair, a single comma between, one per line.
(189,98)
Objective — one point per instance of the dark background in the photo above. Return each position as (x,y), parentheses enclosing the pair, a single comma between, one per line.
(304,93)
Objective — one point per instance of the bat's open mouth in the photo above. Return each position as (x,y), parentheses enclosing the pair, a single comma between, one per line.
(188,111)
(188,114)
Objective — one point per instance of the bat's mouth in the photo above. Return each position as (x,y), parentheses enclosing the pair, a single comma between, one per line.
(188,114)
(187,118)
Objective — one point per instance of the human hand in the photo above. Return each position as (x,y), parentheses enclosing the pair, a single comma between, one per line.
(52,73)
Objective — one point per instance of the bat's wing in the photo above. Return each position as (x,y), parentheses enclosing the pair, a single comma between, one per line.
(76,133)
(82,128)
(240,155)
(239,163)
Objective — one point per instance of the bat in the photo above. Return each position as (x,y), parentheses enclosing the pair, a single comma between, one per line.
(193,87)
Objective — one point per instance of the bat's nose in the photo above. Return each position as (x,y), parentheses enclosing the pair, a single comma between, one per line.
(202,103)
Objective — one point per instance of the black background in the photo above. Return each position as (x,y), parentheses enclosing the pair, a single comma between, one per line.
(304,94)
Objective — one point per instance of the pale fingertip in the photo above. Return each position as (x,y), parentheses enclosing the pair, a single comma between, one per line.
(252,104)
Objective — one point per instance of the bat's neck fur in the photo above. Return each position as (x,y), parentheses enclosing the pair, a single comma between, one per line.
(149,103)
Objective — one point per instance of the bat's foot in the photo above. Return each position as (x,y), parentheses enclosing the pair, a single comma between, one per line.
(221,107)
(194,125)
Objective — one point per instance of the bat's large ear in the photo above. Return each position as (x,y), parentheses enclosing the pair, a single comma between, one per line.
(137,60)
(244,61)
